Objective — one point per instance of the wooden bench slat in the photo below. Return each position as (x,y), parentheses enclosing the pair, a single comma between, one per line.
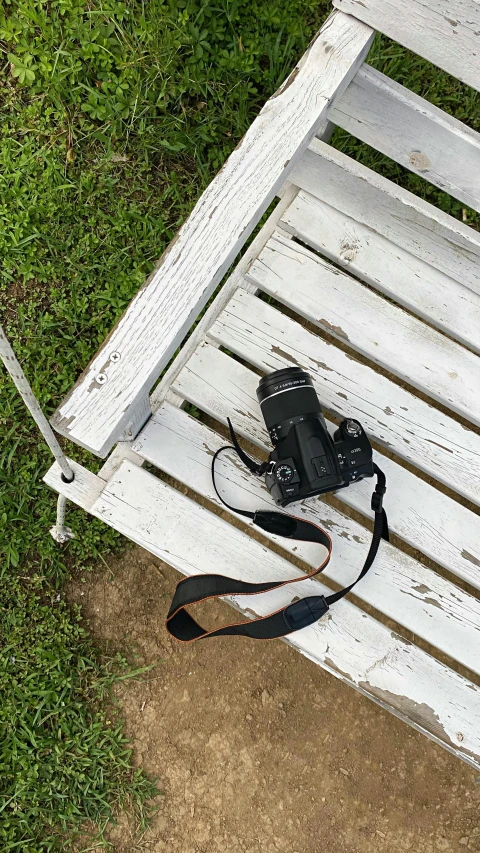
(370,324)
(96,413)
(411,282)
(348,643)
(413,132)
(394,417)
(405,219)
(397,585)
(444,31)
(426,518)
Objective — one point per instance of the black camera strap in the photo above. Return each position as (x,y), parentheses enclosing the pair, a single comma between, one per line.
(299,614)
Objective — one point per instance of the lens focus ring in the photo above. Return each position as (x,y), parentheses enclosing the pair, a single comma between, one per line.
(285,396)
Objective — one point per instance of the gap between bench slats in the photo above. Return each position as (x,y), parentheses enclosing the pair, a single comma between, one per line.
(405,219)
(411,131)
(443,31)
(394,417)
(423,289)
(334,301)
(348,643)
(397,585)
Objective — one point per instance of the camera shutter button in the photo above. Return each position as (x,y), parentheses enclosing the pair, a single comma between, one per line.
(352,428)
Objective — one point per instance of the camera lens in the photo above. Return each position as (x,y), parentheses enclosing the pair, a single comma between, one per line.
(287,394)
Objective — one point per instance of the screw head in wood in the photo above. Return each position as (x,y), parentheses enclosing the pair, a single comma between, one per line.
(101,378)
(115,356)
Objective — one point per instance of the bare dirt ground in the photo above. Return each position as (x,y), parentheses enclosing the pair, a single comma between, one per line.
(256,748)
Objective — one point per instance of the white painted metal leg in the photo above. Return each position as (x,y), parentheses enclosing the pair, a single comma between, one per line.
(59,532)
(23,387)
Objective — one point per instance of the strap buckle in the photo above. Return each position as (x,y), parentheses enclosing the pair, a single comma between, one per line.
(377,498)
(306,611)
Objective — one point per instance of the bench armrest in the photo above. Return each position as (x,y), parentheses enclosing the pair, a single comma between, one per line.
(110,400)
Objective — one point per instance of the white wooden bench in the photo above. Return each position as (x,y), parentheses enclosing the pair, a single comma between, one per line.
(401,298)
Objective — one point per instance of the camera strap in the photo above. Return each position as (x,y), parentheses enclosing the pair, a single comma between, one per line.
(299,614)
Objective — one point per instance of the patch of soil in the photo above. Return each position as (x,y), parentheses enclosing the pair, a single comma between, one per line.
(256,748)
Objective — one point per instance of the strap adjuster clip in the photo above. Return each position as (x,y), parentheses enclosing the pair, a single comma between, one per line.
(306,611)
(377,500)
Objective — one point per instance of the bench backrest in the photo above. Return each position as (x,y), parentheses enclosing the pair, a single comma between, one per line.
(447,32)
(110,400)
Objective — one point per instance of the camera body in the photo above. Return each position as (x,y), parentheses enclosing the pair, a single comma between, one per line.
(306,460)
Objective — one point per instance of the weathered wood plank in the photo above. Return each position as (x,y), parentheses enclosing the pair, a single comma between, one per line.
(447,32)
(413,132)
(348,643)
(396,585)
(96,412)
(427,519)
(83,490)
(339,304)
(405,219)
(121,452)
(235,280)
(411,282)
(393,416)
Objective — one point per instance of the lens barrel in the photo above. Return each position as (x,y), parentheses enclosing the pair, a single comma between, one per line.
(287,394)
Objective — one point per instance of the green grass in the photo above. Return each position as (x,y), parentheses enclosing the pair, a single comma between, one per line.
(114,118)
(64,757)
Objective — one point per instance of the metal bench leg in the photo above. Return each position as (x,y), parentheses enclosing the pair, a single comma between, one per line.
(59,532)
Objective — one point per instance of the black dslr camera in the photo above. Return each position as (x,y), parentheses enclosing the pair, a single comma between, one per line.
(306,461)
